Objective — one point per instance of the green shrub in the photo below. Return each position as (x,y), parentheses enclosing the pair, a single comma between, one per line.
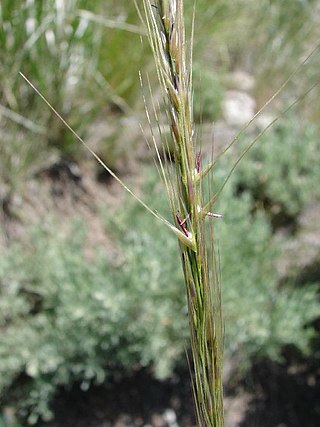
(208,95)
(8,421)
(260,317)
(282,169)
(64,319)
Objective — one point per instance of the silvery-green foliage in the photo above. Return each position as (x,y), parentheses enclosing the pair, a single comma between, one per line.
(65,319)
(282,169)
(208,94)
(261,317)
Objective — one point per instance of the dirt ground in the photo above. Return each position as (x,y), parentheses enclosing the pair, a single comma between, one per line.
(271,395)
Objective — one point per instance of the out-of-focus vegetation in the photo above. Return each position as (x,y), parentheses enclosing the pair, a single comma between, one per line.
(64,319)
(77,63)
(281,170)
(86,59)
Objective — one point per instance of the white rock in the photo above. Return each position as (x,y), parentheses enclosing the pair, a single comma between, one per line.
(238,108)
(242,80)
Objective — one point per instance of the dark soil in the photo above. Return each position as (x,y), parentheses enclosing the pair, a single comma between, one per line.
(130,401)
(286,396)
(282,395)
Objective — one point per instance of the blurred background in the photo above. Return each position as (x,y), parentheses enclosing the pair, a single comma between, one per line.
(92,307)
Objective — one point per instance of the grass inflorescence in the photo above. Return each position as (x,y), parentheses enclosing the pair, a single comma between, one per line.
(166,31)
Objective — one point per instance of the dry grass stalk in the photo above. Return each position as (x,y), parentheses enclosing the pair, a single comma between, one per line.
(165,25)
